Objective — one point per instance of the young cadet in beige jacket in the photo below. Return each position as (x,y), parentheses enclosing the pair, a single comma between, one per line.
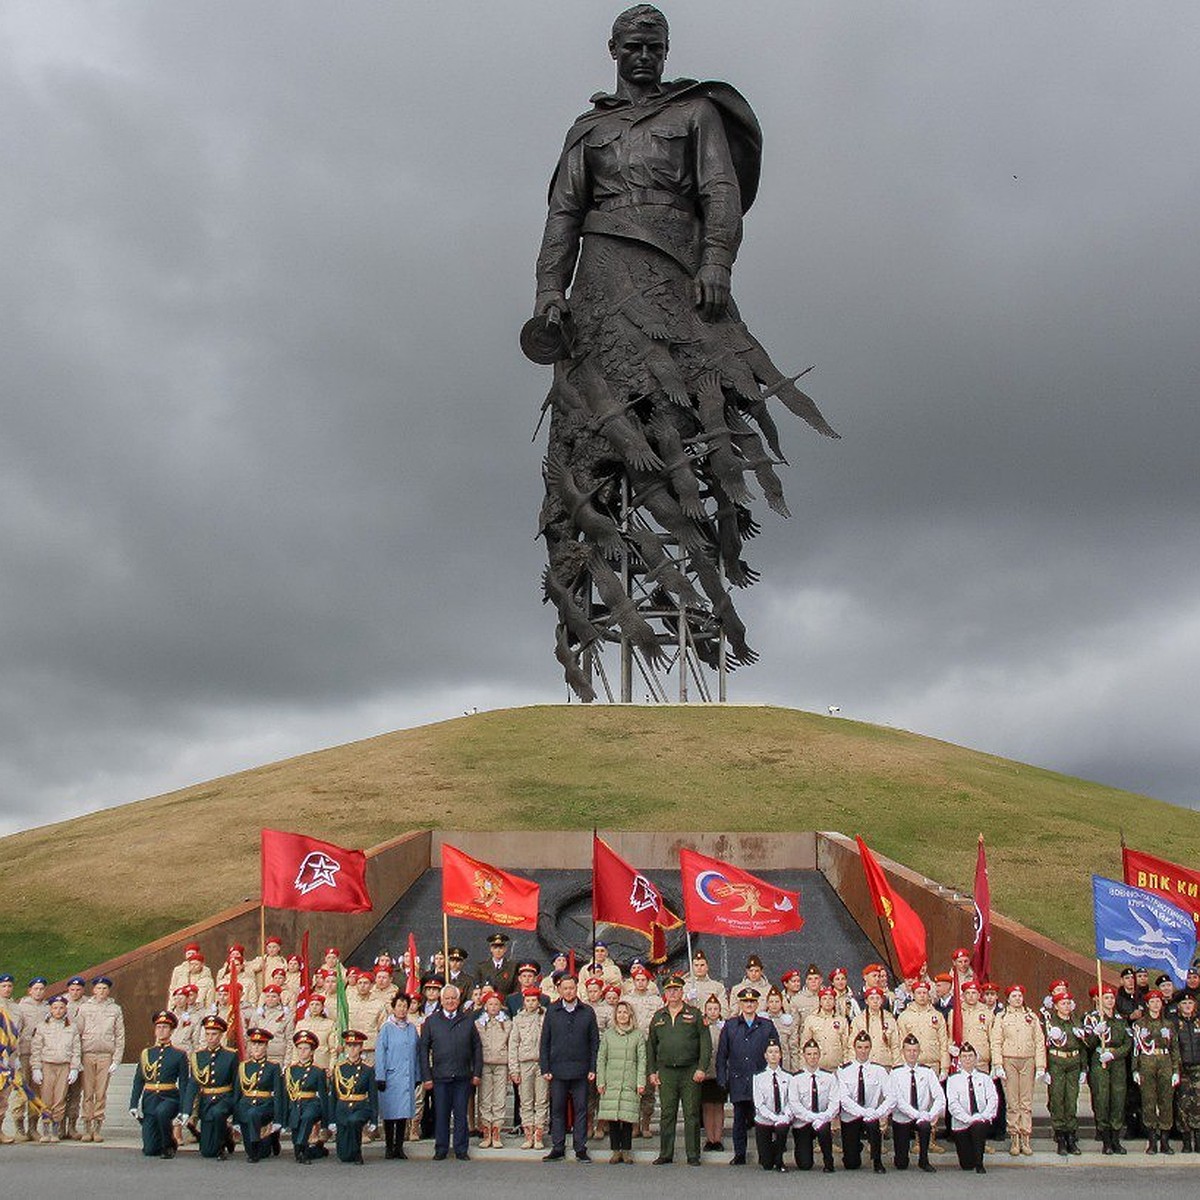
(102,1041)
(524,1043)
(495,1030)
(1018,1056)
(55,1061)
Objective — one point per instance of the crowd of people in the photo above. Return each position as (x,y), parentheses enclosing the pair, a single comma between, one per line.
(264,1047)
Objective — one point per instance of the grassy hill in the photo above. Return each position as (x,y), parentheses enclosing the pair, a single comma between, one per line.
(80,891)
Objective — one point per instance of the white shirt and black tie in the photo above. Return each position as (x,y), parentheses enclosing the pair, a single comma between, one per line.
(864,1091)
(917,1095)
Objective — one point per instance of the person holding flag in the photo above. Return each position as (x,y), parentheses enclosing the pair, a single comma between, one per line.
(1107,1036)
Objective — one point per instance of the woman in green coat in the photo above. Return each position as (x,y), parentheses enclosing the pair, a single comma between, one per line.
(621,1080)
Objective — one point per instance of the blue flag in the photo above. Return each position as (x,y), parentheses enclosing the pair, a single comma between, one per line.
(1137,927)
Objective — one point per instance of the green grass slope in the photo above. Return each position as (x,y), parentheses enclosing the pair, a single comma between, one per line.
(86,889)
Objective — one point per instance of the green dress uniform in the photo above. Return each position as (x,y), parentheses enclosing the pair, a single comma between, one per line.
(161,1075)
(1109,1043)
(676,1047)
(210,1094)
(260,1101)
(308,1108)
(1066,1059)
(355,1105)
(1155,1061)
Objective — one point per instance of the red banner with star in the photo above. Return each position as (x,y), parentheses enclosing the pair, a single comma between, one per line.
(721,899)
(477,891)
(305,873)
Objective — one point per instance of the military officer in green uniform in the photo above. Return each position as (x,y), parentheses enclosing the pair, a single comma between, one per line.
(211,1090)
(1156,1071)
(1187,1099)
(678,1054)
(308,1099)
(260,1108)
(1109,1043)
(355,1101)
(161,1075)
(1066,1058)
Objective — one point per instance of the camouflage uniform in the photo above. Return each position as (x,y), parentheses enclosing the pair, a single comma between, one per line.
(1066,1058)
(1156,1059)
(1187,1098)
(1107,1075)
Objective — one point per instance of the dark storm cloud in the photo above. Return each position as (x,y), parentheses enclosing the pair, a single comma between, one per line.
(266,473)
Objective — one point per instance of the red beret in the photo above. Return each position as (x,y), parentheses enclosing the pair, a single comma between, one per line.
(534,991)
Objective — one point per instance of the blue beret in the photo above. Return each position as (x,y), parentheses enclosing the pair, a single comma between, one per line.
(79,979)
(7,979)
(601,945)
(102,979)
(61,998)
(38,979)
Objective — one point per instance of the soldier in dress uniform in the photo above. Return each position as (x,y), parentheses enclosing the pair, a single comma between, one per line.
(161,1075)
(1066,1059)
(866,1100)
(500,971)
(1187,1098)
(815,1101)
(260,1107)
(678,1053)
(1107,1037)
(919,1105)
(308,1098)
(456,972)
(354,1099)
(971,1101)
(1156,1071)
(772,1111)
(211,1090)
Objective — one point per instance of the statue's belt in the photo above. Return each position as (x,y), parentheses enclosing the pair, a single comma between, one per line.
(646,196)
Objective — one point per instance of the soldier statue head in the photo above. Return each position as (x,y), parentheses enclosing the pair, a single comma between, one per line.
(639,47)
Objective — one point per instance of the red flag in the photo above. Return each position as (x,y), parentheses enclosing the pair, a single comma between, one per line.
(480,892)
(412,984)
(907,929)
(625,897)
(981,955)
(304,873)
(1166,879)
(718,898)
(956,1026)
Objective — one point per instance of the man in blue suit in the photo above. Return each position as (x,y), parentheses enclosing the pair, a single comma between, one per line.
(741,1054)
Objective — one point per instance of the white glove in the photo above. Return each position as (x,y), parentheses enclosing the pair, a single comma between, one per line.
(112,1070)
(133,1112)
(1000,1073)
(1106,1056)
(1100,1027)
(1045,1077)
(954,1049)
(1137,1078)
(942,1076)
(1175,1080)
(371,1128)
(179,1120)
(332,1128)
(37,1075)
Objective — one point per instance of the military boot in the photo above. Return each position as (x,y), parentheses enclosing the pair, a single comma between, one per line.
(1165,1140)
(97,1126)
(1186,1148)
(1152,1143)
(1115,1142)
(1026,1148)
(1015,1148)
(1105,1142)
(1060,1144)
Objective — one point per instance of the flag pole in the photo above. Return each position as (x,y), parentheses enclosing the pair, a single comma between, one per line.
(886,951)
(592,951)
(445,943)
(262,933)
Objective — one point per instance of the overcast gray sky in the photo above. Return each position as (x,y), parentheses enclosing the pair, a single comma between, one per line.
(266,477)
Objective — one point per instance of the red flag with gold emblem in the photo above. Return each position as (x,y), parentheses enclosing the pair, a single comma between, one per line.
(478,891)
(906,928)
(718,898)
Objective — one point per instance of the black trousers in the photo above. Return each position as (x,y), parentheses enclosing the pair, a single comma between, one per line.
(902,1136)
(743,1118)
(574,1090)
(803,1137)
(620,1135)
(970,1143)
(853,1133)
(450,1098)
(159,1110)
(772,1145)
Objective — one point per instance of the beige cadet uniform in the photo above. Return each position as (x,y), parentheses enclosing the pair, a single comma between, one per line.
(788,1027)
(101,1027)
(203,979)
(977,1022)
(1019,1046)
(367,1015)
(264,968)
(524,1048)
(696,992)
(886,1038)
(761,986)
(494,1034)
(186,1035)
(325,1029)
(803,1003)
(246,982)
(928,1026)
(279,1024)
(608,969)
(831,1032)
(55,1052)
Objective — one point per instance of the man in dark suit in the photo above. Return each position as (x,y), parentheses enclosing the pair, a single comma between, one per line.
(500,971)
(742,1054)
(451,1064)
(570,1042)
